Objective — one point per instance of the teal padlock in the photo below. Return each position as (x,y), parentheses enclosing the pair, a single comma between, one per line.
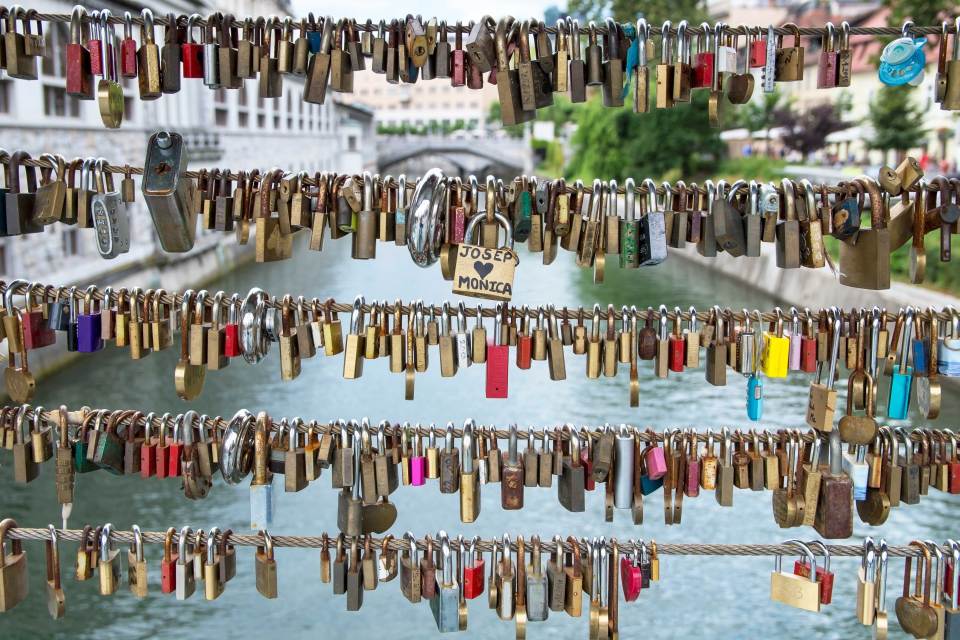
(903,60)
(522,220)
(902,379)
(755,396)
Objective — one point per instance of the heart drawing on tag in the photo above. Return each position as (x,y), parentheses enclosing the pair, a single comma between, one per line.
(483,268)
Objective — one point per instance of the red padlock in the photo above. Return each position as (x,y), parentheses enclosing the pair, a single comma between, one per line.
(631,576)
(148,449)
(128,48)
(703,62)
(950,568)
(95,44)
(676,345)
(586,459)
(231,330)
(498,358)
(37,332)
(175,448)
(808,347)
(473,572)
(824,575)
(758,50)
(163,449)
(79,71)
(168,563)
(524,341)
(191,52)
(954,469)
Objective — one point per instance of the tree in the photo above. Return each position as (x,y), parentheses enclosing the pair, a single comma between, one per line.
(920,11)
(807,132)
(759,115)
(617,143)
(654,11)
(897,121)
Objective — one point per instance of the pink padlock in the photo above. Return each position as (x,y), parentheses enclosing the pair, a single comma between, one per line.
(796,338)
(631,576)
(692,487)
(418,465)
(656,463)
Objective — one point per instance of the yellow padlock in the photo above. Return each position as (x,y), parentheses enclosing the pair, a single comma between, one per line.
(775,357)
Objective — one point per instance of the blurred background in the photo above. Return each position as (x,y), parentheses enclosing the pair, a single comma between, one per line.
(797,131)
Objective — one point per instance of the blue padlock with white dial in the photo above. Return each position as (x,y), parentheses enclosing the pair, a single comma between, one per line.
(903,60)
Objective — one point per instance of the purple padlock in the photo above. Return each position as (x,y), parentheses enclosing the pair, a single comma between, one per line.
(89,334)
(656,463)
(418,466)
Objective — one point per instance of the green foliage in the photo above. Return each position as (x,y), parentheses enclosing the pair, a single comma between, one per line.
(434,127)
(560,113)
(750,168)
(655,11)
(897,120)
(617,143)
(920,11)
(552,164)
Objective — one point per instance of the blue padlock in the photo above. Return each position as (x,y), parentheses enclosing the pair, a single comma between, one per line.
(648,486)
(314,36)
(755,397)
(902,378)
(921,355)
(903,60)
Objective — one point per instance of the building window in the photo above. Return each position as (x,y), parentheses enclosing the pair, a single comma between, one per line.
(243,119)
(220,117)
(242,96)
(261,121)
(290,123)
(351,143)
(276,121)
(127,108)
(54,62)
(70,245)
(56,102)
(220,96)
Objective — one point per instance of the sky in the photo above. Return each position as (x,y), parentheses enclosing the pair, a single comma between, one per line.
(442,9)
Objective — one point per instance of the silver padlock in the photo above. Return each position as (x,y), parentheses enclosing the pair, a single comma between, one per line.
(111,220)
(445,604)
(623,469)
(186,581)
(652,235)
(537,591)
(948,349)
(462,338)
(167,193)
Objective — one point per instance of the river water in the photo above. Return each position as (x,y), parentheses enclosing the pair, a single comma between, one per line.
(696,597)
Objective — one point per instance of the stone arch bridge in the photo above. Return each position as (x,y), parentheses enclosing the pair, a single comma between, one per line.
(414,155)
